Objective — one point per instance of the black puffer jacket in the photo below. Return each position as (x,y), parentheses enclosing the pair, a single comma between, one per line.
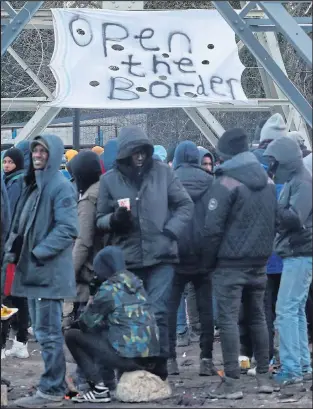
(160,203)
(295,202)
(241,217)
(197,182)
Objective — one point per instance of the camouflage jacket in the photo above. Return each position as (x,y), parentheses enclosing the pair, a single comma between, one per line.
(120,306)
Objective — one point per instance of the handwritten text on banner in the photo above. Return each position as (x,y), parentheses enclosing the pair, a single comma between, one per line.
(144,59)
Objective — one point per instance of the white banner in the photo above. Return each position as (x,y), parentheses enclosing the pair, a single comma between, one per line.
(144,59)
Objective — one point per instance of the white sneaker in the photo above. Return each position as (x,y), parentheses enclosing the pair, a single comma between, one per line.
(252,371)
(3,353)
(18,350)
(30,331)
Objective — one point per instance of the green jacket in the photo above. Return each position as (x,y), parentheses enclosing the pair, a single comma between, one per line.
(121,308)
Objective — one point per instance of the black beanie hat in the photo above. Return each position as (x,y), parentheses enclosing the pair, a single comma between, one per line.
(17,156)
(232,142)
(107,262)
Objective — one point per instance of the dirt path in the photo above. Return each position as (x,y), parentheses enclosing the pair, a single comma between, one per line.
(189,389)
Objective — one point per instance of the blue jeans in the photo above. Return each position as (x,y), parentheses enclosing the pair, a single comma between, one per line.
(158,281)
(214,302)
(46,317)
(290,315)
(181,327)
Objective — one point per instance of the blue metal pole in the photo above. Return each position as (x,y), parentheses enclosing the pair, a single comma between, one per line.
(76,129)
(14,28)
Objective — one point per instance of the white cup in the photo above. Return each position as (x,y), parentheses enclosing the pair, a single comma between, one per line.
(124,203)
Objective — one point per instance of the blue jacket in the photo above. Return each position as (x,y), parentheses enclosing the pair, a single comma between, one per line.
(5,217)
(14,185)
(108,156)
(45,266)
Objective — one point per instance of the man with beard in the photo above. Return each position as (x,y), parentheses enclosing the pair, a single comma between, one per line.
(40,243)
(145,208)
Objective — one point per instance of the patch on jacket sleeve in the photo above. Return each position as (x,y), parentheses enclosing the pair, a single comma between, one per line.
(67,202)
(213,203)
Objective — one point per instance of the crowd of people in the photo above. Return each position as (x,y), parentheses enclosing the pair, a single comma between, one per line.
(155,249)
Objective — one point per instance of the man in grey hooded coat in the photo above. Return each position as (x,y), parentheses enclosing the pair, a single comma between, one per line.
(294,244)
(40,244)
(147,228)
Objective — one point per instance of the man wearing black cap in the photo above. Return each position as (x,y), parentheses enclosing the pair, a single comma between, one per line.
(239,235)
(40,245)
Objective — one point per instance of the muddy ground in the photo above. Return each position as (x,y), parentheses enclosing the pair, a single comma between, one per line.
(189,389)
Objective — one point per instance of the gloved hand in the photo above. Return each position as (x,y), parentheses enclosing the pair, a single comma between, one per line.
(75,325)
(121,221)
(94,285)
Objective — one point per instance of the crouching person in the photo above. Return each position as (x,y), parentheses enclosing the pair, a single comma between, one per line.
(117,330)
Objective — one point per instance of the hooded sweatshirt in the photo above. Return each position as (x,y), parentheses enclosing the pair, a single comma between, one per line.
(274,128)
(308,162)
(160,153)
(121,307)
(197,183)
(5,219)
(295,202)
(297,137)
(160,206)
(24,146)
(46,219)
(14,180)
(86,172)
(240,224)
(204,152)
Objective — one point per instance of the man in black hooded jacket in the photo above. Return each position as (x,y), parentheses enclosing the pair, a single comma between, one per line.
(146,227)
(197,182)
(238,238)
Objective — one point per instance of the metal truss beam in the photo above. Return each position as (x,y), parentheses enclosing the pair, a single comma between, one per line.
(8,8)
(22,104)
(212,122)
(43,20)
(246,35)
(250,5)
(37,123)
(270,42)
(32,104)
(294,120)
(289,27)
(201,124)
(20,19)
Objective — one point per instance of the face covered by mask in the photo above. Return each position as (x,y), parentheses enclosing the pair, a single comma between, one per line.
(272,168)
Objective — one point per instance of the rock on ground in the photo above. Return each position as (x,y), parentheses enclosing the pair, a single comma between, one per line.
(141,386)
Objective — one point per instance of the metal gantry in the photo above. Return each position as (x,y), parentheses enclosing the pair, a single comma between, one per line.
(264,18)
